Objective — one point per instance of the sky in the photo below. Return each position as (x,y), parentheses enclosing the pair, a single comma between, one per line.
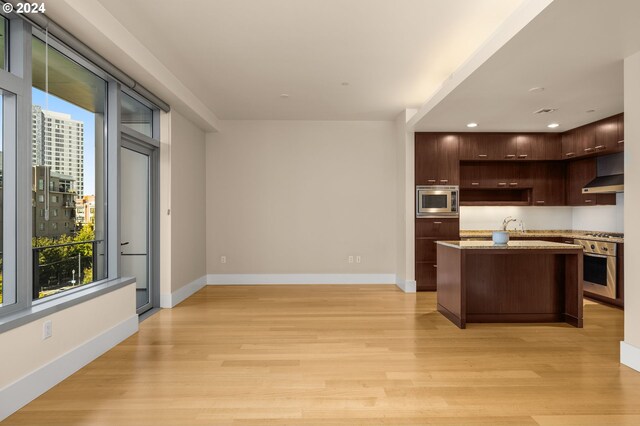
(87,117)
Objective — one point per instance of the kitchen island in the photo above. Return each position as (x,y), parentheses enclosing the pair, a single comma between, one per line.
(522,281)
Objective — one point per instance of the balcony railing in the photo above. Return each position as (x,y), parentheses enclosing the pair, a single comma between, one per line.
(61,267)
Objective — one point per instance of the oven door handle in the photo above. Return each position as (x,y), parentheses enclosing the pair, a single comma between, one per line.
(601,256)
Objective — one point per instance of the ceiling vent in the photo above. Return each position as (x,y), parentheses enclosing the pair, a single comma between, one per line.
(545,110)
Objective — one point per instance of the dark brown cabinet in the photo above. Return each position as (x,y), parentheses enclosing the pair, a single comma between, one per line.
(548,184)
(545,146)
(436,159)
(579,173)
(585,137)
(428,231)
(608,134)
(568,144)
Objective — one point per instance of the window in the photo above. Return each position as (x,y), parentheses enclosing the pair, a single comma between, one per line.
(136,115)
(76,98)
(3,48)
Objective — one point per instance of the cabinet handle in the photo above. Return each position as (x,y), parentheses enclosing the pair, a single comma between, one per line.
(588,149)
(502,183)
(444,180)
(431,180)
(510,156)
(600,147)
(475,183)
(513,183)
(588,201)
(437,223)
(522,156)
(622,141)
(570,154)
(435,266)
(482,155)
(540,202)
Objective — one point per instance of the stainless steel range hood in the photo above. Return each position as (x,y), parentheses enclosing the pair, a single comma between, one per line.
(609,177)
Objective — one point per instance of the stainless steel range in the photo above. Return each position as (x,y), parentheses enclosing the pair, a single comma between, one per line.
(600,274)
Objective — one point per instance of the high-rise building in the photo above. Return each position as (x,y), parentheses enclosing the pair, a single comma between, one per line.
(53,203)
(58,142)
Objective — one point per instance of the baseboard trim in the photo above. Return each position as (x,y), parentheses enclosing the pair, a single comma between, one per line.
(408,286)
(630,356)
(172,299)
(270,279)
(20,393)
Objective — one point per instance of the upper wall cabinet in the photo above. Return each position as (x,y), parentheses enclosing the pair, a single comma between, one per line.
(609,134)
(601,137)
(509,147)
(437,159)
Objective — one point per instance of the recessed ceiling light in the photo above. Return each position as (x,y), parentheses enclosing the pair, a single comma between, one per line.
(553,125)
(284,95)
(472,125)
(536,89)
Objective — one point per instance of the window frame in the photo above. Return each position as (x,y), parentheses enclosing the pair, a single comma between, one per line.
(16,83)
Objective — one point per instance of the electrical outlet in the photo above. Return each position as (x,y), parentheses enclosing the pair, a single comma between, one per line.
(223,259)
(358,259)
(47,329)
(350,259)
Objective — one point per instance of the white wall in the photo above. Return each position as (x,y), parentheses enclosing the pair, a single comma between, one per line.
(590,218)
(600,218)
(299,197)
(487,218)
(187,204)
(405,225)
(30,365)
(630,348)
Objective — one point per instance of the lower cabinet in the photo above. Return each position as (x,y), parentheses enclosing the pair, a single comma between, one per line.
(428,232)
(426,274)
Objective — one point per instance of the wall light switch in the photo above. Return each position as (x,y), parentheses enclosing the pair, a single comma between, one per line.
(223,259)
(350,259)
(358,259)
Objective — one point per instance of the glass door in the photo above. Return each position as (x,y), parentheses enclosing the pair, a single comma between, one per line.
(137,219)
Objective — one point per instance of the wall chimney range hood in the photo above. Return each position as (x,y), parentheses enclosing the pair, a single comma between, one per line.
(609,176)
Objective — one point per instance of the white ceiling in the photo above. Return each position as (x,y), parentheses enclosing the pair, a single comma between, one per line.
(574,49)
(239,56)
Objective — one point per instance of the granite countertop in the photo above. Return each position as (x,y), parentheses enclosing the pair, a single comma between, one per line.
(515,245)
(541,233)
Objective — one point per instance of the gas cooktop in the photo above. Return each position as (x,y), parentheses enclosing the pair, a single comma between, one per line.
(604,234)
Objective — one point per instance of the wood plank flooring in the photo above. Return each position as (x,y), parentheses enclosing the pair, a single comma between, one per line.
(315,355)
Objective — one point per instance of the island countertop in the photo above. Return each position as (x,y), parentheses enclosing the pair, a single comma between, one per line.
(511,245)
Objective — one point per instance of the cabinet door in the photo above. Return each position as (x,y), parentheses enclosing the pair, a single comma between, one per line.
(606,135)
(585,140)
(568,144)
(426,159)
(579,173)
(426,276)
(468,147)
(438,228)
(448,160)
(552,146)
(620,138)
(548,184)
(525,147)
(471,175)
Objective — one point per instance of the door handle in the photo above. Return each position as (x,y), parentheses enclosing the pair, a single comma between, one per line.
(126,243)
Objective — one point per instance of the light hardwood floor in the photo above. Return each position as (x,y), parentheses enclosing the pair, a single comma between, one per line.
(308,355)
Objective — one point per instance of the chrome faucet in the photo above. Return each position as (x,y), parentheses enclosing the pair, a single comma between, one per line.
(507,220)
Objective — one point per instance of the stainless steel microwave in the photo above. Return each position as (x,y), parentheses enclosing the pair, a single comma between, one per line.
(437,201)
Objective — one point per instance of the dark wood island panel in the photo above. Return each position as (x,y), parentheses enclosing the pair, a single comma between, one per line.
(527,281)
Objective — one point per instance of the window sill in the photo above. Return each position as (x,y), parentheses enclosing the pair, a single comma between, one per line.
(49,307)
